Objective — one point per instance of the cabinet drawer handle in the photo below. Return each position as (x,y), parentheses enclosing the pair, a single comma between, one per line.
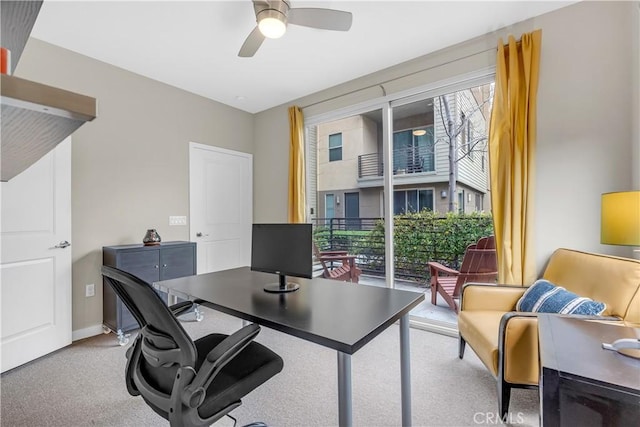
(164,265)
(155,266)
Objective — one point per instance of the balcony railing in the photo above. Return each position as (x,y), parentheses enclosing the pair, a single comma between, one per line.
(405,160)
(417,242)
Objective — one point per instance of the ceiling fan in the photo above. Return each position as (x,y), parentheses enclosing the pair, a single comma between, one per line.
(273,16)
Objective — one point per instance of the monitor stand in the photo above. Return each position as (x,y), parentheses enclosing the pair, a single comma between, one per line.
(281,287)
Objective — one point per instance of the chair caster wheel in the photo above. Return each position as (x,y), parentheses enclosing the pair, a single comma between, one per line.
(123,339)
(199,315)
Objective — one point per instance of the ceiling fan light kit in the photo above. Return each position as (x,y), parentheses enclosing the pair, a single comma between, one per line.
(272,28)
(273,16)
(272,23)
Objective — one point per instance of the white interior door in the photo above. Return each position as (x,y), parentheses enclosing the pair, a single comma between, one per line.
(35,264)
(221,202)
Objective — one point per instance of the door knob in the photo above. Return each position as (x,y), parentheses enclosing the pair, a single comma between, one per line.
(62,245)
(199,234)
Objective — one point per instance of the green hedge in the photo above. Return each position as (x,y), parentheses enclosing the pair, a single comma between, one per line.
(422,237)
(418,238)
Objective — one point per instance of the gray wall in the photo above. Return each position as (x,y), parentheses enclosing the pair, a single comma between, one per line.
(586,134)
(130,164)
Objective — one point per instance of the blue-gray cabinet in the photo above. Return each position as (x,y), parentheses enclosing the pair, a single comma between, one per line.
(167,260)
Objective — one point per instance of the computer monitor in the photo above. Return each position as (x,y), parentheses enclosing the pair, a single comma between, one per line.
(282,249)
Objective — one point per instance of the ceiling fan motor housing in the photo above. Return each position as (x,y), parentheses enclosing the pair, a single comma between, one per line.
(272,9)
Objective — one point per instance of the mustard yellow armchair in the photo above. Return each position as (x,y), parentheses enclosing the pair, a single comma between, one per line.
(506,341)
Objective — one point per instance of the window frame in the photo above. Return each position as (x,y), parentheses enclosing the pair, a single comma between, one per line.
(406,199)
(389,100)
(327,204)
(333,149)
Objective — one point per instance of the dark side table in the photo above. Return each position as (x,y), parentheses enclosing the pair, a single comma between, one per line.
(582,384)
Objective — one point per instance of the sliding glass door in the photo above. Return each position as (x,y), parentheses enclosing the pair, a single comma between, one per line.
(402,185)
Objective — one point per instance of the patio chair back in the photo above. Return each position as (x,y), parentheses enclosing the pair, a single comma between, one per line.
(479,264)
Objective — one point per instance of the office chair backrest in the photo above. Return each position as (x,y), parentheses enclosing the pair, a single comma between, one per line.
(165,369)
(167,343)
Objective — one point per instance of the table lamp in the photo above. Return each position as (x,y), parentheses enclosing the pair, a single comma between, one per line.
(620,224)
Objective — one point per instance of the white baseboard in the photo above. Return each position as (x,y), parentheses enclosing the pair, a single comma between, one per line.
(91,331)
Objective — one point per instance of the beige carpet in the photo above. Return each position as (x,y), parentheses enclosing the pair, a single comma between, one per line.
(83,385)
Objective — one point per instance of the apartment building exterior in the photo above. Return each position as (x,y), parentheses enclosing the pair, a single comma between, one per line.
(349,162)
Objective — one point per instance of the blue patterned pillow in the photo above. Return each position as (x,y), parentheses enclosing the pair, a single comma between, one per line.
(544,297)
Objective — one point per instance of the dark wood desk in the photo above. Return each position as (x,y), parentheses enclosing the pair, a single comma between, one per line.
(581,383)
(339,315)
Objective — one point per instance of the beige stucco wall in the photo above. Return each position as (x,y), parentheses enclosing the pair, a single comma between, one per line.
(341,174)
(584,145)
(130,166)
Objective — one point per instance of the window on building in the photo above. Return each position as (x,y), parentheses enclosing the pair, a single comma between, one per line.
(464,135)
(413,150)
(470,139)
(335,147)
(467,136)
(405,201)
(329,206)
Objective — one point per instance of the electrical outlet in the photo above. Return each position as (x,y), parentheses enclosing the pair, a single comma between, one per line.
(177,220)
(89,290)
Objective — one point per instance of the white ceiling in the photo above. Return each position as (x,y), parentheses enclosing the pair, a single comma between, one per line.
(194,45)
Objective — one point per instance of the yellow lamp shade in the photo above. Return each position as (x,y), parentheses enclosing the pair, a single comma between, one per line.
(620,223)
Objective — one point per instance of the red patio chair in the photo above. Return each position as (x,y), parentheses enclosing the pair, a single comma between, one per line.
(345,271)
(479,264)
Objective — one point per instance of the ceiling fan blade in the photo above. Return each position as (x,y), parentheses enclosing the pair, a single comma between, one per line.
(324,19)
(251,44)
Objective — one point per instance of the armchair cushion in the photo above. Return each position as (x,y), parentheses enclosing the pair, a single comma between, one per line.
(545,297)
(481,327)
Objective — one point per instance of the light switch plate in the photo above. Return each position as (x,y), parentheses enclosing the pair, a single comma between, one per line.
(177,220)
(89,290)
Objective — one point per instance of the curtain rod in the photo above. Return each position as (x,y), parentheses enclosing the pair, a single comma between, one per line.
(381,84)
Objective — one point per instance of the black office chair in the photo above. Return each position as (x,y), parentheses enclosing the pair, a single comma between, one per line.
(188,383)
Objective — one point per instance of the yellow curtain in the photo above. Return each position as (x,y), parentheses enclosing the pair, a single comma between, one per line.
(512,142)
(296,166)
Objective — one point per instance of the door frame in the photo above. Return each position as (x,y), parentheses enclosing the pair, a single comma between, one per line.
(193,149)
(36,247)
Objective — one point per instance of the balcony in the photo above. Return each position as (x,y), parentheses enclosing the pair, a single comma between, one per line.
(408,160)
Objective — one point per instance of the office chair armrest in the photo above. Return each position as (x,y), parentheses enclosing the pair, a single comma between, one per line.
(218,357)
(181,307)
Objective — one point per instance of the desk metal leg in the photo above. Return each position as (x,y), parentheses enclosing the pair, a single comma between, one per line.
(171,299)
(345,408)
(405,370)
